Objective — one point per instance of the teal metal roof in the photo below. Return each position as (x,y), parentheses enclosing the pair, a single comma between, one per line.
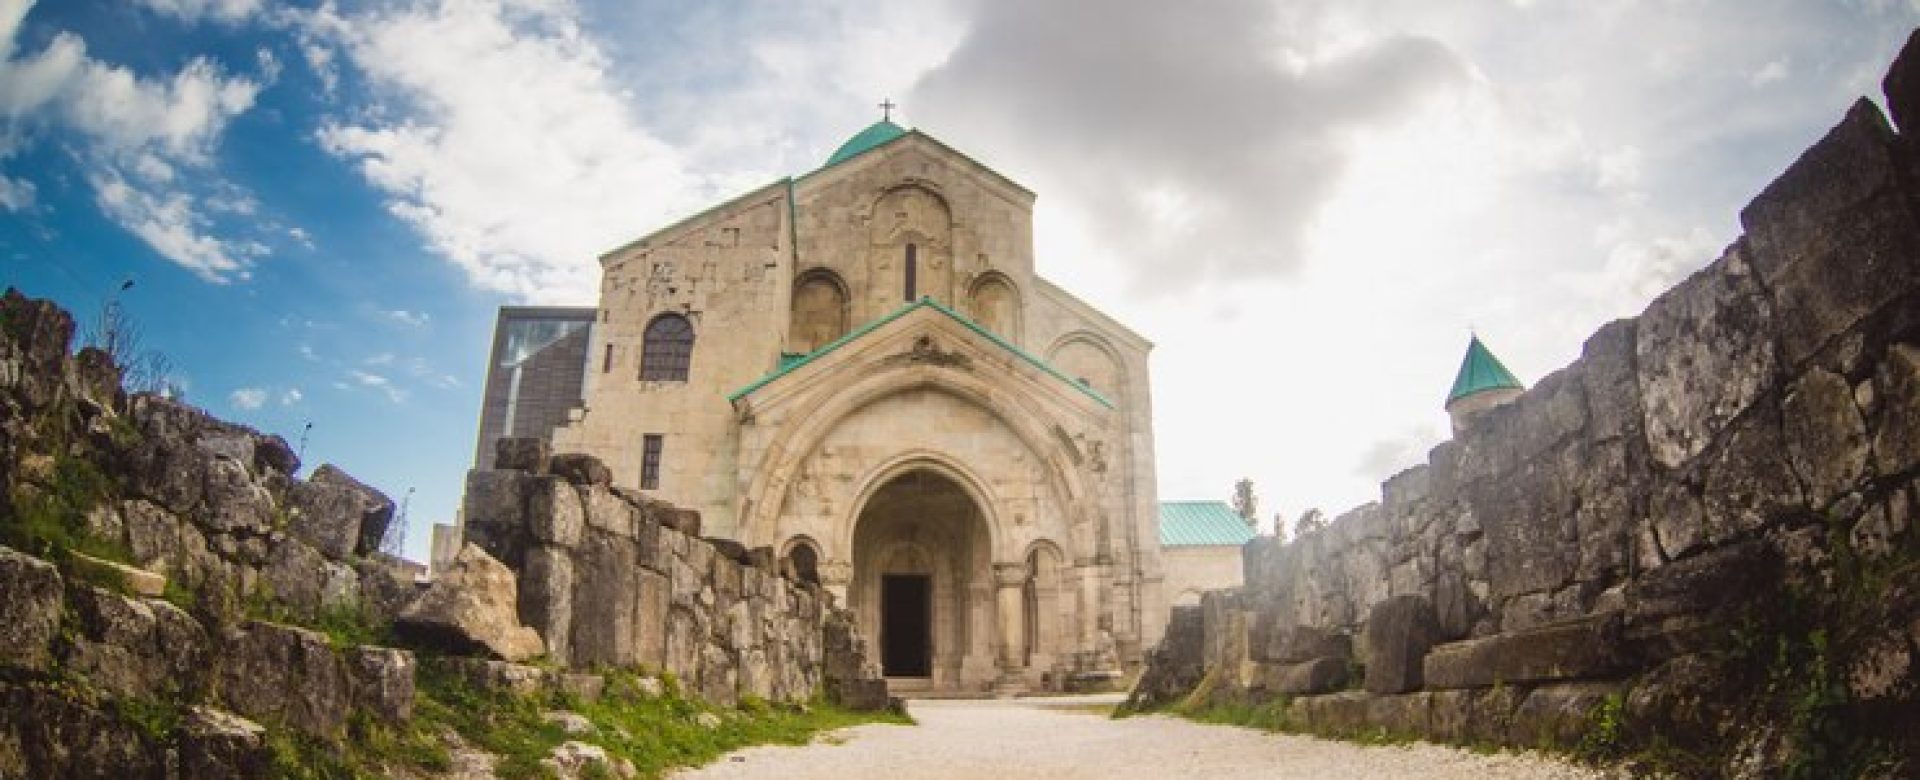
(1481,371)
(876,135)
(1201,524)
(788,367)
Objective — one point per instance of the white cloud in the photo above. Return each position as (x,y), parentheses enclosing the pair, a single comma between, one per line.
(16,194)
(248,398)
(504,106)
(412,318)
(1771,72)
(224,11)
(125,124)
(300,236)
(171,224)
(291,396)
(379,382)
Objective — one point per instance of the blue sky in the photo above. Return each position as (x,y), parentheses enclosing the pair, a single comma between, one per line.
(1305,204)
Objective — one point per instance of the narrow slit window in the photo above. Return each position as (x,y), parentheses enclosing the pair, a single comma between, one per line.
(650,462)
(912,258)
(606,363)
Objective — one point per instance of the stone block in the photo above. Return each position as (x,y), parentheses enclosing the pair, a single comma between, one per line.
(555,514)
(495,510)
(1580,648)
(500,676)
(1705,353)
(268,671)
(30,611)
(1896,423)
(1301,644)
(546,602)
(133,647)
(1321,675)
(580,469)
(53,734)
(382,682)
(219,745)
(326,516)
(376,510)
(653,600)
(471,609)
(1557,716)
(1834,237)
(521,453)
(1680,607)
(1826,438)
(1403,715)
(1400,630)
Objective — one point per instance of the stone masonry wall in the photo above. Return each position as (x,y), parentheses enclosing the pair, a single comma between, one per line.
(612,578)
(1701,531)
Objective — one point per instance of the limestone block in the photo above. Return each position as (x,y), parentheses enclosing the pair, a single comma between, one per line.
(219,745)
(496,513)
(268,671)
(1705,353)
(52,733)
(500,676)
(605,601)
(30,612)
(138,581)
(376,510)
(235,504)
(610,512)
(1611,385)
(1557,716)
(303,580)
(1301,644)
(1399,632)
(131,647)
(546,602)
(382,681)
(1572,649)
(326,516)
(685,637)
(719,675)
(1527,517)
(1896,434)
(651,623)
(1826,439)
(471,608)
(1749,483)
(521,453)
(554,512)
(1320,675)
(1834,237)
(580,469)
(1407,714)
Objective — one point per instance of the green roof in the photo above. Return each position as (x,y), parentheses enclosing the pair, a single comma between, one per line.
(1481,371)
(876,135)
(1201,524)
(788,366)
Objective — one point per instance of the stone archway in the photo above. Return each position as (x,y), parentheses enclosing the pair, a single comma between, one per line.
(922,583)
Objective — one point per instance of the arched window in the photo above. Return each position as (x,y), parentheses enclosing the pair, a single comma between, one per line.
(804,563)
(668,349)
(912,257)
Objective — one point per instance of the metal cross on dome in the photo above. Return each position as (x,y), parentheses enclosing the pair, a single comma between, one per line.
(886,110)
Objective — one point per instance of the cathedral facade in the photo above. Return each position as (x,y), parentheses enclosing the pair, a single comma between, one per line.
(859,368)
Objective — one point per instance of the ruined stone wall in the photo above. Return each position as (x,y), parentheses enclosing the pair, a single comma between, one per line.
(1702,528)
(612,578)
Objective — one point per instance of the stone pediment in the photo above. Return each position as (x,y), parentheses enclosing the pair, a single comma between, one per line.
(922,336)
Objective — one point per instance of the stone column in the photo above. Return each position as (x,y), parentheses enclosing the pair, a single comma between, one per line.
(1088,570)
(1008,579)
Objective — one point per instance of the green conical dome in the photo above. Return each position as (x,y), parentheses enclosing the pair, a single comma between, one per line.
(876,134)
(1481,371)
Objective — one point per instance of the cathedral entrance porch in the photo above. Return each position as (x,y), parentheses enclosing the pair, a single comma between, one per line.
(923,584)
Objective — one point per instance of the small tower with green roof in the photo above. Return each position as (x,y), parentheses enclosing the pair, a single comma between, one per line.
(1483,383)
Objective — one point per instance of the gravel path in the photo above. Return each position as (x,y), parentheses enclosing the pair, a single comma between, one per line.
(1064,738)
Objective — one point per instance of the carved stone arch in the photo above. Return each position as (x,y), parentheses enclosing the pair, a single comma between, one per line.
(800,558)
(766,494)
(1089,357)
(969,482)
(820,311)
(993,300)
(910,246)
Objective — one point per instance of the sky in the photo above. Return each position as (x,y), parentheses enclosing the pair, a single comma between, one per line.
(1307,206)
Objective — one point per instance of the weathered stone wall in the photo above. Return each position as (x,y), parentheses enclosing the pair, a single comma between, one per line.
(156,565)
(1702,528)
(612,578)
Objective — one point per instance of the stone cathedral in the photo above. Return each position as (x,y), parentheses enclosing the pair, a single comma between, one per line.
(858,367)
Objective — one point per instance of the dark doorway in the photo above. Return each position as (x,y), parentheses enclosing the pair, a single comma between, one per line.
(906,625)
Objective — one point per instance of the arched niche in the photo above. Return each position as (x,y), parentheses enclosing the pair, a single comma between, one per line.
(1051,610)
(995,304)
(910,255)
(801,560)
(1090,360)
(820,311)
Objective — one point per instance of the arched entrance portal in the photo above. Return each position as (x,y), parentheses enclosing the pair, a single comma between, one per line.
(922,582)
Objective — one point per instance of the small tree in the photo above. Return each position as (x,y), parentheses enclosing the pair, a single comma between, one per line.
(1245,503)
(116,333)
(1310,521)
(1280,527)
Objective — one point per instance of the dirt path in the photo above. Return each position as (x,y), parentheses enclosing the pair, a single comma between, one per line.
(1065,738)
